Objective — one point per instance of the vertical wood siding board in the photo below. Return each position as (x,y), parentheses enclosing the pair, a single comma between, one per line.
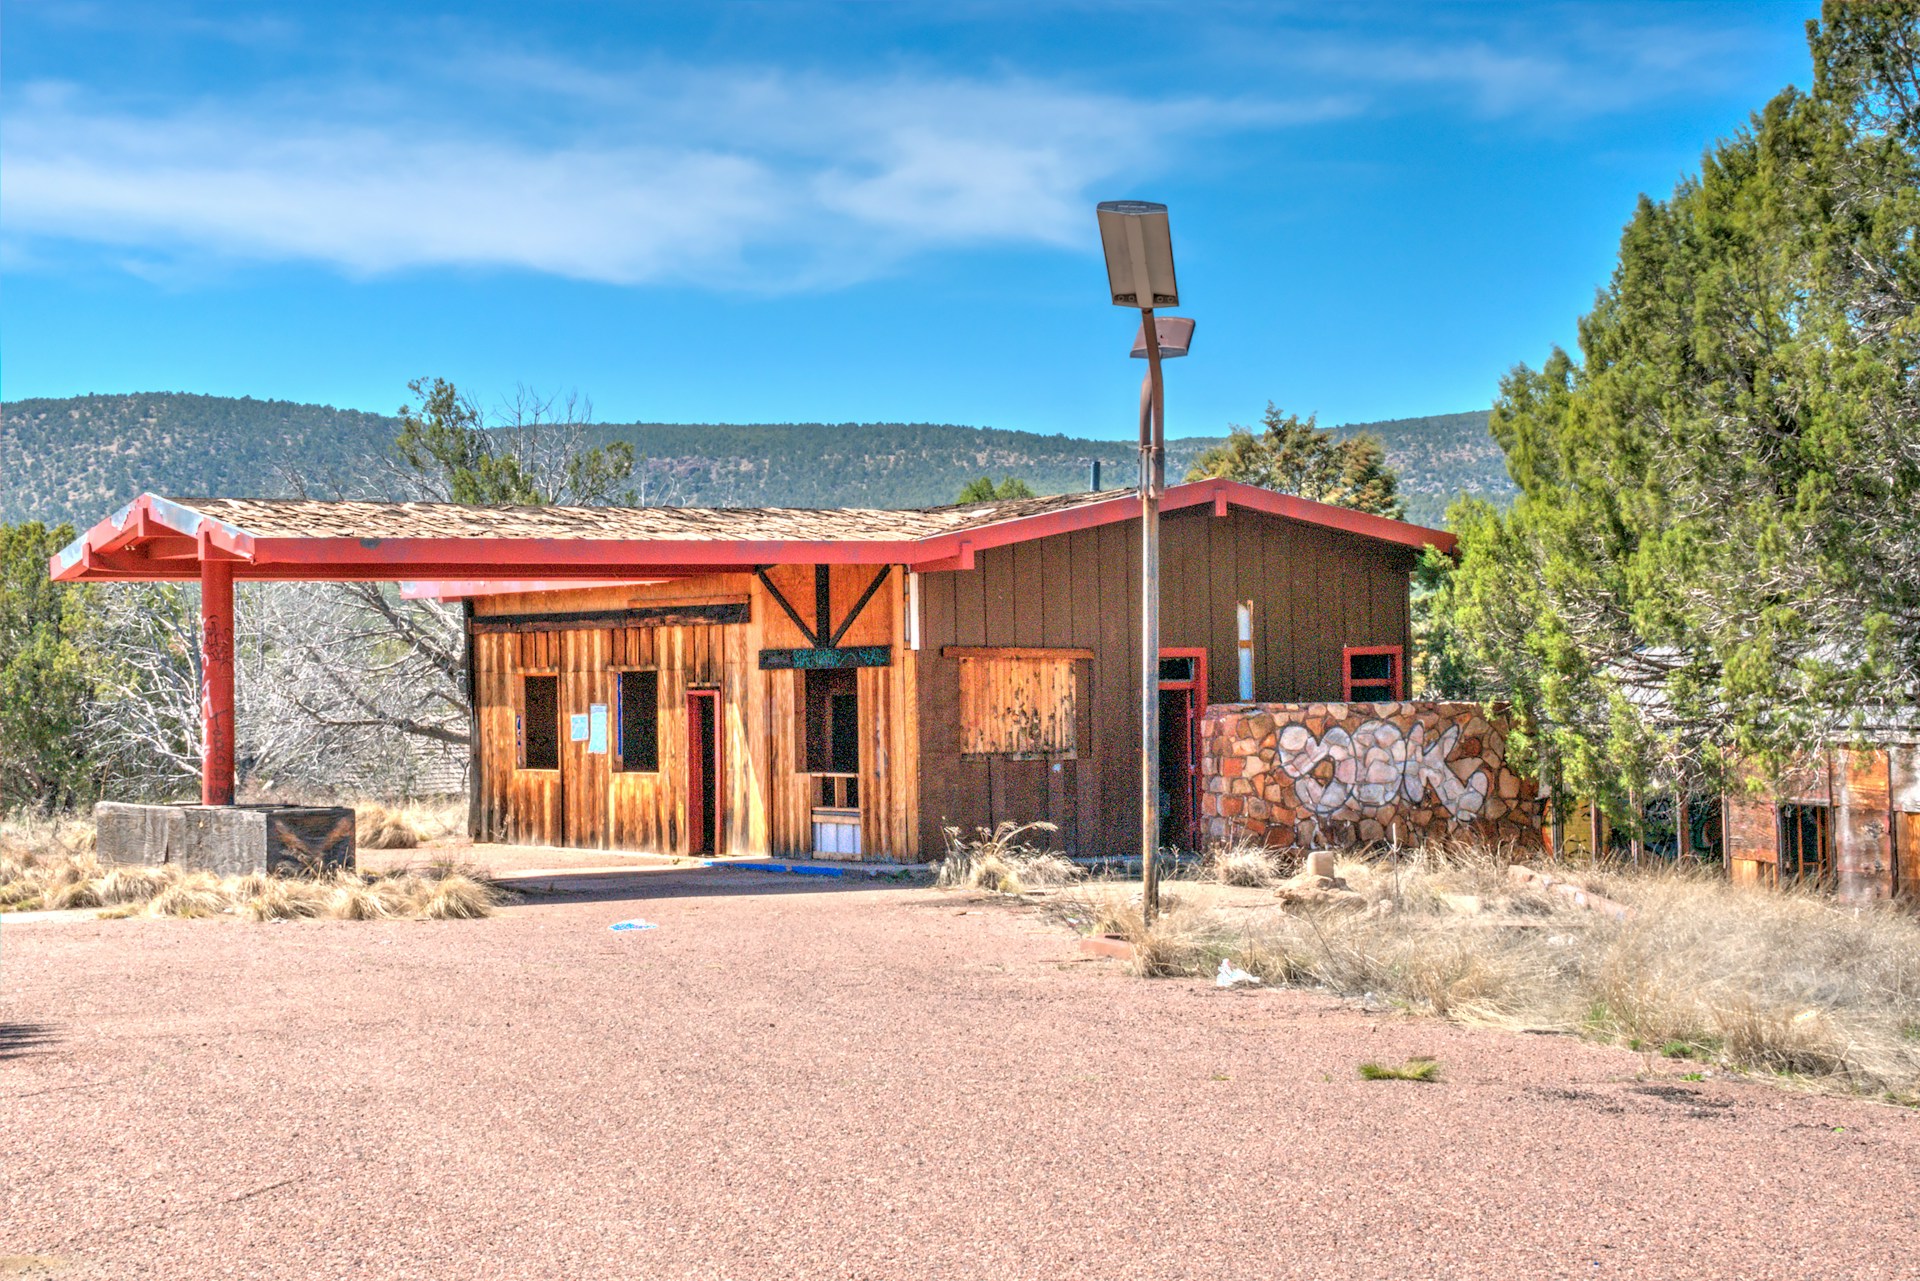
(938,699)
(872,718)
(1302,655)
(912,828)
(1083,614)
(1058,599)
(1223,596)
(1113,684)
(970,605)
(997,572)
(1029,590)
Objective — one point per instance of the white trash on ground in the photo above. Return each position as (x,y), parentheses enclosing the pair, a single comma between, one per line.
(1232,975)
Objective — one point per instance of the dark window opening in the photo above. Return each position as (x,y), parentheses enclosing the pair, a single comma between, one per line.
(1805,842)
(1177,669)
(833,721)
(639,747)
(838,792)
(540,728)
(1373,675)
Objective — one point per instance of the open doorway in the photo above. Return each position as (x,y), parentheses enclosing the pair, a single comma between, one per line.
(1806,844)
(1183,696)
(704,778)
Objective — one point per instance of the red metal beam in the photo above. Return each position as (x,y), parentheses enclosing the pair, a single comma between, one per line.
(216,682)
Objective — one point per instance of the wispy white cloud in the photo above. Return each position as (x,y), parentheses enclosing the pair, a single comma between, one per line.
(1548,62)
(744,178)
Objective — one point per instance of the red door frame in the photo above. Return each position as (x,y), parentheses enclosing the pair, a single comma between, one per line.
(1196,707)
(697,766)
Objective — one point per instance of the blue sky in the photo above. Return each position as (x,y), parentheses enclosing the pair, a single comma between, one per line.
(854,212)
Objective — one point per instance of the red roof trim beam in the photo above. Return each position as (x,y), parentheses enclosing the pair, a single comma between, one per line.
(156,538)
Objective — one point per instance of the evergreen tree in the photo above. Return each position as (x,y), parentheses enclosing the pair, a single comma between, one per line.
(46,684)
(983,490)
(1296,456)
(1716,546)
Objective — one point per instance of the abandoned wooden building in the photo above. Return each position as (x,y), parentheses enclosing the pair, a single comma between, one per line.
(841,683)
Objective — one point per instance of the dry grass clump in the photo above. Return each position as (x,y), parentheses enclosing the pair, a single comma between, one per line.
(1243,863)
(382,825)
(1002,861)
(45,862)
(1751,979)
(1411,1070)
(440,891)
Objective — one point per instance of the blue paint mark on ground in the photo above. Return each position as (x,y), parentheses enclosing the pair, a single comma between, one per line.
(635,924)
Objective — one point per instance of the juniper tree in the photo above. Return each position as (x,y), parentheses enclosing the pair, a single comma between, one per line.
(1716,546)
(1296,456)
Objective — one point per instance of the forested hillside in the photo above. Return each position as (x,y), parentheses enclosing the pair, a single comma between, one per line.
(77,459)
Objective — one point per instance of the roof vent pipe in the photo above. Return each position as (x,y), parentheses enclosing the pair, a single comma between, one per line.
(1093,475)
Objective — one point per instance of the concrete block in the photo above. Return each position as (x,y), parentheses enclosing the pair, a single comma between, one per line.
(230,840)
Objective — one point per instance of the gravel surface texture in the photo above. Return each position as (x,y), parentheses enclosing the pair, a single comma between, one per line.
(802,1078)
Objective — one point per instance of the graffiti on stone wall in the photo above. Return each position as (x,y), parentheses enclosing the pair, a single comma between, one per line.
(1342,772)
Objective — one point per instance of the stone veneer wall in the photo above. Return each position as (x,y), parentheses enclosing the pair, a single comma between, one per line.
(1341,774)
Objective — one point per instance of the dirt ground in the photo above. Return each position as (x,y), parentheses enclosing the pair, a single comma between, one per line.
(798,1077)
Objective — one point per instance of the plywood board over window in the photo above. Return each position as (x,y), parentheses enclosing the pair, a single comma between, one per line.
(1019,703)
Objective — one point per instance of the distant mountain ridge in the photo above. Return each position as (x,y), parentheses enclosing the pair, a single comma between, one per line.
(78,458)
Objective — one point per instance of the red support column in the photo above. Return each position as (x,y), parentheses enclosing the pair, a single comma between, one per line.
(216,682)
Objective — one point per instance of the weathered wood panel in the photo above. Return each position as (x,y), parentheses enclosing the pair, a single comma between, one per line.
(1018,706)
(1752,838)
(1862,824)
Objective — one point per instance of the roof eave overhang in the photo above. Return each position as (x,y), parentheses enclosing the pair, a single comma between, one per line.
(154,539)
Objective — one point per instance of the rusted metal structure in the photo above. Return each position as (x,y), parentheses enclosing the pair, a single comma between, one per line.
(847,682)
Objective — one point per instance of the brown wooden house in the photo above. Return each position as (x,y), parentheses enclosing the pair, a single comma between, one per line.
(854,710)
(836,683)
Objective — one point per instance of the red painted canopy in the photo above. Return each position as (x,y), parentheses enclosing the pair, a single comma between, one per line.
(294,539)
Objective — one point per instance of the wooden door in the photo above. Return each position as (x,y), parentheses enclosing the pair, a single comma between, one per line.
(586,757)
(706,776)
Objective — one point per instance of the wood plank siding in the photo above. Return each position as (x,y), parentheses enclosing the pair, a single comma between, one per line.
(767,796)
(1315,591)
(1016,699)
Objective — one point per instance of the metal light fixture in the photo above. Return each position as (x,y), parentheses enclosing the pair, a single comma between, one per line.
(1139,253)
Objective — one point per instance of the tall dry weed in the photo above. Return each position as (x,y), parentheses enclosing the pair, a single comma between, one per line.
(1747,978)
(441,891)
(1003,860)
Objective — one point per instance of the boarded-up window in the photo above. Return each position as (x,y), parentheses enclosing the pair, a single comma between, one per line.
(639,722)
(1024,706)
(540,723)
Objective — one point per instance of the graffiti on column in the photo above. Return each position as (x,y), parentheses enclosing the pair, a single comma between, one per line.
(1342,773)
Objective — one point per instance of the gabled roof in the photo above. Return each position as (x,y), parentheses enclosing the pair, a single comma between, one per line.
(271,538)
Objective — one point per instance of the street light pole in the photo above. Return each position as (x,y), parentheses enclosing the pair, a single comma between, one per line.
(1139,254)
(1153,479)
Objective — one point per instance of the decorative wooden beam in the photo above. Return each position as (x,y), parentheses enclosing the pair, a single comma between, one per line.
(1013,651)
(780,599)
(859,605)
(594,619)
(825,659)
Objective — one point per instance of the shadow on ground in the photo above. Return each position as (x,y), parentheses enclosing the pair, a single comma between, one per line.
(17,1039)
(641,884)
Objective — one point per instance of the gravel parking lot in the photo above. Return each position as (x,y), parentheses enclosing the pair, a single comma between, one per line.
(803,1078)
